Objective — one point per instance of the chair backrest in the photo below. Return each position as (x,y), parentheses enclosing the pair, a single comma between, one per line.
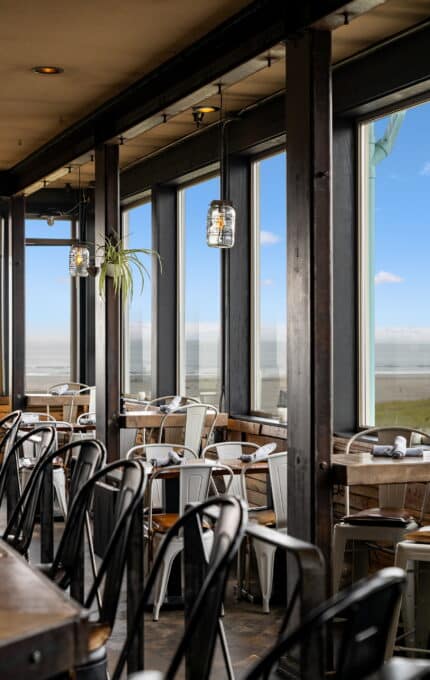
(92,405)
(390,495)
(111,570)
(202,620)
(231,451)
(195,421)
(35,417)
(278,483)
(91,458)
(73,389)
(158,452)
(19,529)
(168,398)
(9,429)
(194,482)
(368,608)
(88,418)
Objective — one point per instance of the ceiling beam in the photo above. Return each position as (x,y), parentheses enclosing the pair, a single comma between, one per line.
(397,69)
(256,28)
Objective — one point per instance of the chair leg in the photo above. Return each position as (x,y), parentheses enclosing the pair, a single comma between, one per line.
(408,604)
(163,579)
(60,490)
(407,614)
(265,554)
(339,545)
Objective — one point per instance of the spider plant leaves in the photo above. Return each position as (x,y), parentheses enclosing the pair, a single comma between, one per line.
(120,263)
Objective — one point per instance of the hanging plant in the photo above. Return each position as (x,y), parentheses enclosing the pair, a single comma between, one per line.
(118,262)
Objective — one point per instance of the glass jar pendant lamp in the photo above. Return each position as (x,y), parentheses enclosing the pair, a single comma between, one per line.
(221,217)
(79,261)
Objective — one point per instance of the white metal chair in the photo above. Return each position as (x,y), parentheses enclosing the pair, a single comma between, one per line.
(73,389)
(194,484)
(195,423)
(390,497)
(407,553)
(151,452)
(33,449)
(225,451)
(265,552)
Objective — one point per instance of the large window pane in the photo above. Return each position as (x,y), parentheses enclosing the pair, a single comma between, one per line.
(200,372)
(395,286)
(137,365)
(269,343)
(48,313)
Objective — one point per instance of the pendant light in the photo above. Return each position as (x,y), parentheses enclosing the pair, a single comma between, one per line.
(79,261)
(221,217)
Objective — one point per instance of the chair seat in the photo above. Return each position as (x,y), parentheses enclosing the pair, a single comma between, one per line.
(390,517)
(401,669)
(146,675)
(266,518)
(99,634)
(161,523)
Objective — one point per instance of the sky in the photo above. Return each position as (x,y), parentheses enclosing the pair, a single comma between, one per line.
(402,236)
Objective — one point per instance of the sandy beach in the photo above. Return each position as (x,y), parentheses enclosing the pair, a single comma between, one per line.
(402,386)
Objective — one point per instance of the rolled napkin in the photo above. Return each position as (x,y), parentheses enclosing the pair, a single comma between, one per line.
(387,451)
(89,420)
(399,448)
(171,406)
(260,454)
(172,458)
(59,390)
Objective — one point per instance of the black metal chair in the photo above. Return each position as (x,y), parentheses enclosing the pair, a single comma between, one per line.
(203,603)
(368,608)
(20,527)
(9,477)
(111,570)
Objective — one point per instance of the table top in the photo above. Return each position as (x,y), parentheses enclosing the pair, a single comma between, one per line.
(46,399)
(153,418)
(42,632)
(363,468)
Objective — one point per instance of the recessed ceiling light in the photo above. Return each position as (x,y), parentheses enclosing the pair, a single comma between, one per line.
(206,109)
(47,70)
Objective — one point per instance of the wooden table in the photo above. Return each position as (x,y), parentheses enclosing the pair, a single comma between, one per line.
(153,418)
(362,468)
(44,401)
(42,632)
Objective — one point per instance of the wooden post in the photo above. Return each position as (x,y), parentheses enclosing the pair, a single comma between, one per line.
(309,245)
(164,308)
(17,228)
(108,307)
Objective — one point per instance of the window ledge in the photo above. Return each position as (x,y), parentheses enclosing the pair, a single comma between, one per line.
(258,419)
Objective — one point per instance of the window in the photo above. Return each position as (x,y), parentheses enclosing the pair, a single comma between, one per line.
(199,296)
(394,280)
(137,326)
(269,287)
(48,294)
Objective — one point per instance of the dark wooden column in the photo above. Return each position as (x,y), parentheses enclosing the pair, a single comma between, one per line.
(236,289)
(345,357)
(164,314)
(309,241)
(17,231)
(107,331)
(87,298)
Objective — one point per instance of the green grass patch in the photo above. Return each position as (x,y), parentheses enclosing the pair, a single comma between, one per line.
(407,413)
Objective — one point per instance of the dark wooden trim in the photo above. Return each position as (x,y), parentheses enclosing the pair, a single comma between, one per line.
(260,127)
(17,227)
(164,308)
(237,290)
(247,34)
(345,277)
(309,288)
(376,79)
(108,316)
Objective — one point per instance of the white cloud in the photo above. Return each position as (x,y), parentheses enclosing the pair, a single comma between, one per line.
(425,170)
(267,282)
(268,238)
(387,277)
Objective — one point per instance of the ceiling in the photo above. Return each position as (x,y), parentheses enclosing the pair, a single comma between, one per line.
(87,40)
